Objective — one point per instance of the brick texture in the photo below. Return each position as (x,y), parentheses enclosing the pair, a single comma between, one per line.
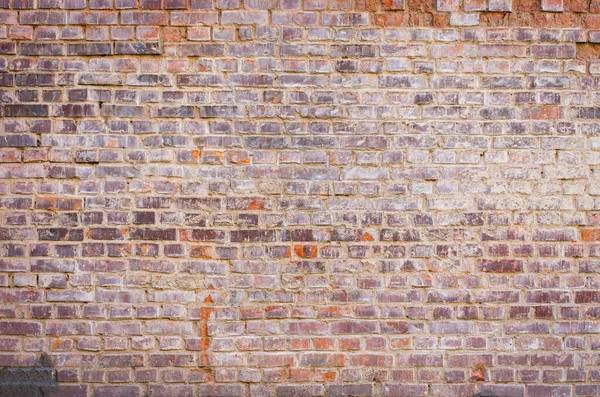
(300,198)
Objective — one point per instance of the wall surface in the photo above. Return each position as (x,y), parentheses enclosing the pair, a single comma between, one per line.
(299,198)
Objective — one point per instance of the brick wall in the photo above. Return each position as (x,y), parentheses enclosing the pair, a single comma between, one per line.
(300,198)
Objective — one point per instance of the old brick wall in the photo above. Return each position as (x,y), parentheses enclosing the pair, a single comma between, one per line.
(300,198)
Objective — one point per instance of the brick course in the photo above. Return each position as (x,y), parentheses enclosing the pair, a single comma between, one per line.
(300,198)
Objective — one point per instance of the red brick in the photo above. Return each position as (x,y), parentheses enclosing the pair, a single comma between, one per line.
(276,197)
(590,235)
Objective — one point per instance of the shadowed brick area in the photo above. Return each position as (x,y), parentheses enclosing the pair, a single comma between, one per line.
(300,198)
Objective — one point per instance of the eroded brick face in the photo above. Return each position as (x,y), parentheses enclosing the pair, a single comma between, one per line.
(300,198)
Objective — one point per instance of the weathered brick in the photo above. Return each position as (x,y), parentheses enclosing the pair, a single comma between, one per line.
(60,234)
(100,79)
(221,390)
(53,265)
(553,51)
(144,233)
(70,296)
(351,390)
(353,50)
(299,390)
(20,328)
(276,197)
(221,111)
(202,235)
(502,50)
(403,390)
(7,48)
(173,112)
(552,5)
(244,17)
(75,110)
(68,328)
(158,390)
(447,5)
(40,49)
(202,50)
(59,203)
(457,19)
(144,18)
(199,80)
(501,266)
(322,360)
(253,236)
(500,5)
(118,391)
(25,110)
(137,48)
(90,49)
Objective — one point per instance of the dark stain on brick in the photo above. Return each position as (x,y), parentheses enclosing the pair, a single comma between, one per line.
(36,380)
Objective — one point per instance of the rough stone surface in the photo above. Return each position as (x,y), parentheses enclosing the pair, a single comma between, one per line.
(299,198)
